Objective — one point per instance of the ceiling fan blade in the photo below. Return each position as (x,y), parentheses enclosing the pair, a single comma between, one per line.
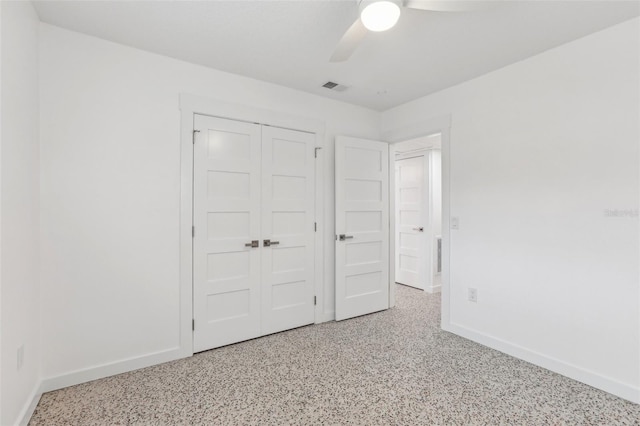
(349,42)
(448,5)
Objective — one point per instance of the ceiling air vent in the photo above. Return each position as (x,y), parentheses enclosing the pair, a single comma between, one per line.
(335,86)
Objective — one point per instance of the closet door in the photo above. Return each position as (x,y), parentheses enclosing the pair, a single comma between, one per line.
(226,216)
(288,191)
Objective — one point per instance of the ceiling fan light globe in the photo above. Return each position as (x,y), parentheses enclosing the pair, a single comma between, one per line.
(380,15)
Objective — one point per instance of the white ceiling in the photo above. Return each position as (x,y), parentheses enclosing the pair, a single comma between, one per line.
(290,42)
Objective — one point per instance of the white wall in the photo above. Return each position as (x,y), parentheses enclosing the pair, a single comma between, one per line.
(19,218)
(110,136)
(539,150)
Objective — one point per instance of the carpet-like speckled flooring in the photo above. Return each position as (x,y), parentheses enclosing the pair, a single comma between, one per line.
(390,368)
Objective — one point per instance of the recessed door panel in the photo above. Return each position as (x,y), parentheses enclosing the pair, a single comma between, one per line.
(361,253)
(363,285)
(289,187)
(226,145)
(363,190)
(288,296)
(226,225)
(289,223)
(363,221)
(229,305)
(228,185)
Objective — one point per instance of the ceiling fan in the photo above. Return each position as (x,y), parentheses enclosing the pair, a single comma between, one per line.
(381,15)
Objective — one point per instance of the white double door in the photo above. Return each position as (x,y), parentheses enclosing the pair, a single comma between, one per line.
(253,244)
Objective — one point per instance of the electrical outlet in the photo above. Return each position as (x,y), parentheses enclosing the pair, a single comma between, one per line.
(455,222)
(20,357)
(472,295)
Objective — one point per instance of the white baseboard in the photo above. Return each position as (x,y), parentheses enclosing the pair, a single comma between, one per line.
(606,384)
(433,289)
(98,372)
(94,373)
(623,390)
(30,406)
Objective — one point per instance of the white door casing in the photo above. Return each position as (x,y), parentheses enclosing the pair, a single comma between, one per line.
(434,204)
(412,219)
(226,217)
(362,226)
(288,192)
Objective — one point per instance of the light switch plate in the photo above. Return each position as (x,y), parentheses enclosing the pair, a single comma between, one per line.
(455,222)
(20,356)
(473,295)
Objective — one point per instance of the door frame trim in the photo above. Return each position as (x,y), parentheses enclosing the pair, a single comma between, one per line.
(413,154)
(191,105)
(442,125)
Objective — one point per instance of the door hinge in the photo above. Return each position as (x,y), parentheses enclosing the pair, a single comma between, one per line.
(315,152)
(193,140)
(315,226)
(193,325)
(315,300)
(193,231)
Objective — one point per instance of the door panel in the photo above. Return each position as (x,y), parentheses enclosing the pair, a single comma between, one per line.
(288,192)
(226,216)
(411,225)
(362,216)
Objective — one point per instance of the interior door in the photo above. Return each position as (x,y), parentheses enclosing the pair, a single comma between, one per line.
(411,259)
(226,216)
(362,227)
(288,214)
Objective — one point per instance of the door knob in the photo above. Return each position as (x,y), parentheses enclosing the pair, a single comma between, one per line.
(269,243)
(343,237)
(253,244)
(420,229)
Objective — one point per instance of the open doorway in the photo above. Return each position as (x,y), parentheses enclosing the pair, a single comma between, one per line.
(418,212)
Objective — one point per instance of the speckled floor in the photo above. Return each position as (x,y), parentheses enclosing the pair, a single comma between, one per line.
(393,367)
